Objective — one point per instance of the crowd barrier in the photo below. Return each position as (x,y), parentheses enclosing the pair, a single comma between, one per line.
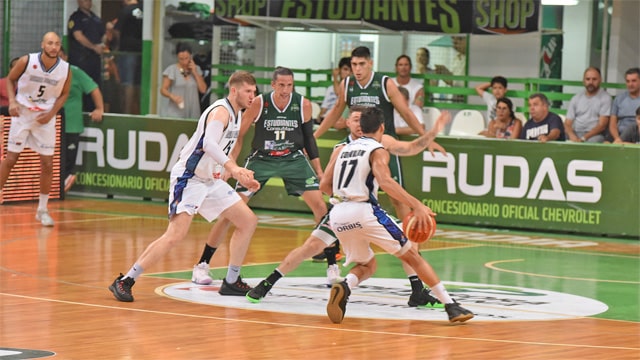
(568,187)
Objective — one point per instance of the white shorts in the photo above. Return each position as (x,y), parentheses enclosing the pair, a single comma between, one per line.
(207,198)
(26,131)
(359,224)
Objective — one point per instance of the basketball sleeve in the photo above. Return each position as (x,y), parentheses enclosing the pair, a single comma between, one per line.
(211,142)
(310,144)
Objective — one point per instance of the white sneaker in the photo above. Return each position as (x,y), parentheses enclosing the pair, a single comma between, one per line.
(333,275)
(44,218)
(201,274)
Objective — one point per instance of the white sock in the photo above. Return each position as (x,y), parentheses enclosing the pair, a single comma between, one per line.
(441,293)
(233,271)
(43,199)
(135,271)
(352,280)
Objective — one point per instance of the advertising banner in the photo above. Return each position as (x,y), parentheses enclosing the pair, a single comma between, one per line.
(569,187)
(436,16)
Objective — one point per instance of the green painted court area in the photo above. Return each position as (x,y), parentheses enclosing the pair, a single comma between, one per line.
(607,270)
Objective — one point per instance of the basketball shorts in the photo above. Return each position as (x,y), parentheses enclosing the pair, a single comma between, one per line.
(294,169)
(323,231)
(25,131)
(359,224)
(395,168)
(207,198)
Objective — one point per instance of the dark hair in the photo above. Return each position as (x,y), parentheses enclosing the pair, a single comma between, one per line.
(509,104)
(638,111)
(425,50)
(345,61)
(281,71)
(403,56)
(361,51)
(631,71)
(13,61)
(370,119)
(500,80)
(540,96)
(181,47)
(596,69)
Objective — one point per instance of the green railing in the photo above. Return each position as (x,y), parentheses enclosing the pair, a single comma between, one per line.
(519,88)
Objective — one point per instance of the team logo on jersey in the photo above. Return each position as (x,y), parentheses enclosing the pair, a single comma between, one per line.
(376,85)
(295,108)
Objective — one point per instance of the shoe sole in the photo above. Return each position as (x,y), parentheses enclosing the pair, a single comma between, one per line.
(115,293)
(461,318)
(428,306)
(255,301)
(206,282)
(334,311)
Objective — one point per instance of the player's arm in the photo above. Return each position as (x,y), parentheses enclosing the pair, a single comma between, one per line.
(334,114)
(45,117)
(310,145)
(379,159)
(409,148)
(216,122)
(400,104)
(12,82)
(326,183)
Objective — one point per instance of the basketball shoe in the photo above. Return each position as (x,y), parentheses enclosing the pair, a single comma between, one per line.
(200,274)
(259,291)
(457,312)
(121,289)
(238,288)
(333,275)
(424,298)
(337,305)
(44,218)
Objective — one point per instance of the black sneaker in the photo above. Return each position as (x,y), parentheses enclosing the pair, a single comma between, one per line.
(319,258)
(337,304)
(238,288)
(121,289)
(424,298)
(257,293)
(457,312)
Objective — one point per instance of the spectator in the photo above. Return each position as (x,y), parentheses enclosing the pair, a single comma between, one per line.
(128,30)
(498,85)
(544,125)
(458,66)
(86,43)
(589,110)
(342,71)
(423,56)
(635,139)
(183,83)
(621,124)
(111,80)
(81,84)
(403,78)
(401,126)
(4,97)
(505,125)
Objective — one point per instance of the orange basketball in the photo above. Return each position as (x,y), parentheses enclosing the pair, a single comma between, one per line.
(411,232)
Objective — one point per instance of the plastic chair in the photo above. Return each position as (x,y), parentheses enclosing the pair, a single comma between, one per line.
(315,110)
(467,123)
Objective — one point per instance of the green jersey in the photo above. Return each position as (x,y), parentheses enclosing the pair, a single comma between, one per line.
(278,132)
(374,93)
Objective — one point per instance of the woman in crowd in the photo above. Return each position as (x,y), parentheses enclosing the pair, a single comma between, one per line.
(505,125)
(182,83)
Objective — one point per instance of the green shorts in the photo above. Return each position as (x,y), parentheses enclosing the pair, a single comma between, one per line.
(294,169)
(396,169)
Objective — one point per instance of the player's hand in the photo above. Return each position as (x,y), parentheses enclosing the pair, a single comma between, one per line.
(14,108)
(421,214)
(44,118)
(435,146)
(245,178)
(441,122)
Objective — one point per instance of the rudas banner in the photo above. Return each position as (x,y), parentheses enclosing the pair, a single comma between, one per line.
(554,186)
(437,16)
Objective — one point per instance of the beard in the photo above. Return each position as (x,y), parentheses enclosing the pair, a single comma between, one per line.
(50,54)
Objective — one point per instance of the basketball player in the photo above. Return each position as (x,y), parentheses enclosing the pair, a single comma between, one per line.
(322,236)
(352,177)
(283,129)
(369,88)
(37,87)
(197,186)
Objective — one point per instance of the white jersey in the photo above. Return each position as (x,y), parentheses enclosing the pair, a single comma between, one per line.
(352,176)
(193,159)
(38,89)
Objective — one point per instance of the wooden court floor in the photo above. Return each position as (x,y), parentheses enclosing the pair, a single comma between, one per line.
(55,302)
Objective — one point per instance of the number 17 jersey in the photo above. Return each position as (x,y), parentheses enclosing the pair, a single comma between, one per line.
(353,178)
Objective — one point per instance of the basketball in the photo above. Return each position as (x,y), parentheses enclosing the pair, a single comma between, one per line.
(412,233)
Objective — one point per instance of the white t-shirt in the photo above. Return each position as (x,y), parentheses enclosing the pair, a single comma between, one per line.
(413,86)
(399,122)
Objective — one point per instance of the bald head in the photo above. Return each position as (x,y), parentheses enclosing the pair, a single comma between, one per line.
(51,45)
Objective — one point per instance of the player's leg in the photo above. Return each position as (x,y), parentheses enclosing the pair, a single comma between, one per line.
(426,273)
(5,169)
(176,231)
(46,176)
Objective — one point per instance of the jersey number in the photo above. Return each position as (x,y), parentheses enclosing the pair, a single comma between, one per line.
(342,182)
(227,148)
(280,134)
(41,90)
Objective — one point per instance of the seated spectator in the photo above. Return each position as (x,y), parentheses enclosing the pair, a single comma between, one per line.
(621,124)
(544,125)
(635,139)
(403,78)
(401,126)
(498,87)
(588,112)
(342,71)
(505,125)
(182,83)
(4,97)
